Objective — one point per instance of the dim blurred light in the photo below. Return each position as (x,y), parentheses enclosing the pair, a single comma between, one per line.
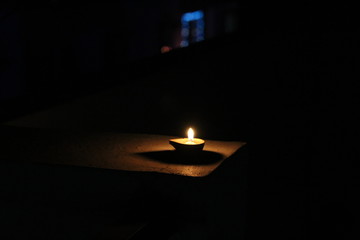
(192,16)
(165,49)
(192,27)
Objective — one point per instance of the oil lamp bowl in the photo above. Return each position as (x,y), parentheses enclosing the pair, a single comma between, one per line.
(184,145)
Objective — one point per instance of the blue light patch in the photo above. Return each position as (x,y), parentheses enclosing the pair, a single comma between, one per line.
(192,27)
(192,16)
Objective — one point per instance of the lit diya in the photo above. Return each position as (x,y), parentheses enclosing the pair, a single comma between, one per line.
(188,144)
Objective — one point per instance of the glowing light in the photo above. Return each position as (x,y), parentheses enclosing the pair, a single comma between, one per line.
(165,49)
(192,32)
(188,144)
(190,134)
(192,16)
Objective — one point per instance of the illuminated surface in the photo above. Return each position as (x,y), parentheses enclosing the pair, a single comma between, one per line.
(186,141)
(129,152)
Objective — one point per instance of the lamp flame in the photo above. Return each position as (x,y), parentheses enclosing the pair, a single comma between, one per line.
(190,134)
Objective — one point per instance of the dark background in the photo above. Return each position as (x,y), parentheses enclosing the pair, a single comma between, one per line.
(284,81)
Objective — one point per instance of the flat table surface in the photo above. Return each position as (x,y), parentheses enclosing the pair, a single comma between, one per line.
(111,150)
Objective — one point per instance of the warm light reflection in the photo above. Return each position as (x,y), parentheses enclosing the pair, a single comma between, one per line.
(190,134)
(165,49)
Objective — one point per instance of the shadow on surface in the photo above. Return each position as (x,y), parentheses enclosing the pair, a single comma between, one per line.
(171,156)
